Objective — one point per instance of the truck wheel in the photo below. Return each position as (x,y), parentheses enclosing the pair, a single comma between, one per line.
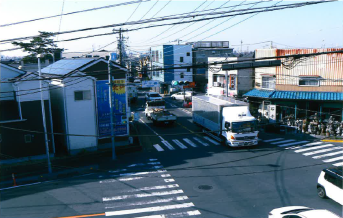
(321,192)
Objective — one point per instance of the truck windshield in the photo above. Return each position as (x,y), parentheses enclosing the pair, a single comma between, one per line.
(246,126)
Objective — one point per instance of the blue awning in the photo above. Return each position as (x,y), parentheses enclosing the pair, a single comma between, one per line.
(319,96)
(259,93)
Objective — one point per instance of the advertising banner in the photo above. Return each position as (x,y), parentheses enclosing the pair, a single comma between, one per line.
(119,108)
(150,84)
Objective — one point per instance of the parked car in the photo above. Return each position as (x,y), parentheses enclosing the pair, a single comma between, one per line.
(181,96)
(300,212)
(152,96)
(162,116)
(330,182)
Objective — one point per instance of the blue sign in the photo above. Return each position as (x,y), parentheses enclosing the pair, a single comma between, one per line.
(113,56)
(119,108)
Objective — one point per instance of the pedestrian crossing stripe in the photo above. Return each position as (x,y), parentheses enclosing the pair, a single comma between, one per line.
(200,141)
(333,159)
(307,145)
(313,148)
(158,147)
(292,143)
(211,140)
(190,142)
(338,164)
(328,155)
(280,142)
(174,215)
(272,140)
(168,145)
(182,146)
(321,151)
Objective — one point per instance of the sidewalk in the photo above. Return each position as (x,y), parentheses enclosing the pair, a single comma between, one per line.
(34,171)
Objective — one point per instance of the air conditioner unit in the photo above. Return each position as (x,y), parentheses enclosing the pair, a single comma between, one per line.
(216,84)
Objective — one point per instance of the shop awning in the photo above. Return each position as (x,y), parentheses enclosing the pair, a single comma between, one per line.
(319,96)
(259,93)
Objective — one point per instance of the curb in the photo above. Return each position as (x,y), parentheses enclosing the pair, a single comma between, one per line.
(49,177)
(332,140)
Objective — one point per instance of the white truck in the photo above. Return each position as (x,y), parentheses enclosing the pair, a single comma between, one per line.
(161,116)
(227,118)
(151,105)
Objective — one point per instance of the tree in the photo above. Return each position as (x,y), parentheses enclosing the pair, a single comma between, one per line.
(41,44)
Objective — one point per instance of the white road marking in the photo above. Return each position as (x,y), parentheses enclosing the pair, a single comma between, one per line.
(333,159)
(157,167)
(314,148)
(168,145)
(321,151)
(169,180)
(149,209)
(280,142)
(143,195)
(293,143)
(155,188)
(165,200)
(338,164)
(272,140)
(179,144)
(143,164)
(165,175)
(190,142)
(200,141)
(152,130)
(21,186)
(152,159)
(211,140)
(158,147)
(328,155)
(173,215)
(302,146)
(117,171)
(121,180)
(142,173)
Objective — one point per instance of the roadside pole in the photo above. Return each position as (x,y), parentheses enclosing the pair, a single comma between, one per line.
(43,114)
(112,124)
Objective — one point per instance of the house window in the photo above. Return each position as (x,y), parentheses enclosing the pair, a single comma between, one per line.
(182,75)
(218,80)
(27,138)
(188,69)
(308,82)
(268,82)
(188,54)
(82,95)
(181,59)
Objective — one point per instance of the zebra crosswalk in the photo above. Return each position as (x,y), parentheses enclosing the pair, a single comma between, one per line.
(326,152)
(185,143)
(152,196)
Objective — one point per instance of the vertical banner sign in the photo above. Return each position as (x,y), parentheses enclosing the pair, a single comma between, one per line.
(119,108)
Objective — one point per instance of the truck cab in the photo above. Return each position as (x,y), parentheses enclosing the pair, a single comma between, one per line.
(239,127)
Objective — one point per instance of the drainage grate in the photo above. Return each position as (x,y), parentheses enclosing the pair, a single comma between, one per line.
(205,187)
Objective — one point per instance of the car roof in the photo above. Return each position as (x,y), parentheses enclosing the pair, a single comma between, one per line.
(319,214)
(335,170)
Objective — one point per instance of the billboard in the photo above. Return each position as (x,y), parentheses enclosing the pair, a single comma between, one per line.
(119,105)
(150,83)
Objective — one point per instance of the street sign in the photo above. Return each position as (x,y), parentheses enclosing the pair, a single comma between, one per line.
(256,64)
(150,83)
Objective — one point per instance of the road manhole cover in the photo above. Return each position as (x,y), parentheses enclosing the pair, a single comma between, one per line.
(205,187)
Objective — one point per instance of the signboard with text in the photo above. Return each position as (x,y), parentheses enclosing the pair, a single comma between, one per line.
(150,84)
(119,108)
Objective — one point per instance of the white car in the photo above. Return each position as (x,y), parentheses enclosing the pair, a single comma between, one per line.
(152,96)
(330,184)
(181,95)
(300,212)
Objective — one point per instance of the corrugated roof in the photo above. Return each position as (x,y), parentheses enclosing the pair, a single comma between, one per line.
(259,93)
(66,66)
(320,96)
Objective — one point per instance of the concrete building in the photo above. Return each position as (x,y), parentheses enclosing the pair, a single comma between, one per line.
(299,86)
(239,81)
(169,56)
(203,50)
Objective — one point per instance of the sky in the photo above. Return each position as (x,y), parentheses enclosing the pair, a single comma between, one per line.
(314,26)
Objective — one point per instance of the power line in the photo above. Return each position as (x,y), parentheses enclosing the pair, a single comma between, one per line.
(177,16)
(74,12)
(134,11)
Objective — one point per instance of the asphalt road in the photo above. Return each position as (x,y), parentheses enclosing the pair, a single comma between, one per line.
(187,174)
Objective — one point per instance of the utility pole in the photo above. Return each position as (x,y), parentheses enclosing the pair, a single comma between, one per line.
(241,45)
(271,44)
(43,114)
(120,45)
(112,124)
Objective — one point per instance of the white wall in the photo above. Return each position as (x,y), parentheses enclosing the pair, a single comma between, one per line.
(81,115)
(181,51)
(30,90)
(5,74)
